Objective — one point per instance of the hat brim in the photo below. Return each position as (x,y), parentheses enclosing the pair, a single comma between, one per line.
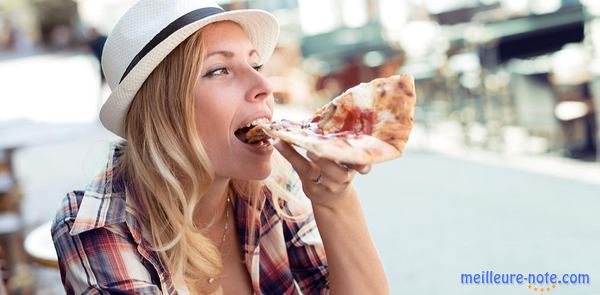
(262,29)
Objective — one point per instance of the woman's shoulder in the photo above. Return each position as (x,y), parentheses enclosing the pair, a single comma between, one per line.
(85,210)
(69,207)
(99,247)
(101,203)
(100,255)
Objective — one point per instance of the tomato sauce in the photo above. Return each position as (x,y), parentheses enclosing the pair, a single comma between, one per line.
(356,123)
(359,121)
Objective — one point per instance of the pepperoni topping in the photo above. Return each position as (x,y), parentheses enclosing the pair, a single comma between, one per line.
(356,123)
(359,121)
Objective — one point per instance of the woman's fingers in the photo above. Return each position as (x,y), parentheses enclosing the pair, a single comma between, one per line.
(319,171)
(300,164)
(336,172)
(306,170)
(362,169)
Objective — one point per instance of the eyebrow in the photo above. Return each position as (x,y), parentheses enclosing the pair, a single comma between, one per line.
(228,54)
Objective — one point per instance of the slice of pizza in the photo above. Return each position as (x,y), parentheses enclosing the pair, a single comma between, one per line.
(369,123)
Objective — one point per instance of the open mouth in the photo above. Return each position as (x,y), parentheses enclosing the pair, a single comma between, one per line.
(253,134)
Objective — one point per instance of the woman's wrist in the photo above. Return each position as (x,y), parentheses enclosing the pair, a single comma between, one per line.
(343,203)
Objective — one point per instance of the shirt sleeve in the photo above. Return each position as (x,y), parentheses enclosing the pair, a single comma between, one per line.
(305,249)
(101,261)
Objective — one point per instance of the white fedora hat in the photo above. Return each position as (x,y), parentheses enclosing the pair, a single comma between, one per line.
(150,30)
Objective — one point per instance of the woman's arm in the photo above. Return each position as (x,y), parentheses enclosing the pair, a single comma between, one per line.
(354,265)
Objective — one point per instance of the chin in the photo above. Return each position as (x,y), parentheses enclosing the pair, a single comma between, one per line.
(254,172)
(260,174)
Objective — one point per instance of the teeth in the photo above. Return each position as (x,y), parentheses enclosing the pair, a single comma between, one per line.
(262,143)
(256,122)
(259,120)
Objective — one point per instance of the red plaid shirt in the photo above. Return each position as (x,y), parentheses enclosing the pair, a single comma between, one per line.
(101,249)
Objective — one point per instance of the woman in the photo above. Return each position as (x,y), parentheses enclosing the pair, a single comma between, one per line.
(184,206)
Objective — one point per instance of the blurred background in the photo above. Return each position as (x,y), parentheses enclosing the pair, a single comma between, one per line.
(501,172)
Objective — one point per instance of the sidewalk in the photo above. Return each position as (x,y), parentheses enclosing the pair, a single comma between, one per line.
(435,216)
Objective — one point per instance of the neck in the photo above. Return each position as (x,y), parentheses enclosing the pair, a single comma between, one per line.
(213,204)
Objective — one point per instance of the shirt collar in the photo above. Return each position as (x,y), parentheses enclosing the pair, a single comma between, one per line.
(104,201)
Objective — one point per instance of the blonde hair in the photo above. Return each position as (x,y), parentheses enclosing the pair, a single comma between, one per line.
(167,170)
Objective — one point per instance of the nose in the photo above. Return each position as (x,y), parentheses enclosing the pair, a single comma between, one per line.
(259,88)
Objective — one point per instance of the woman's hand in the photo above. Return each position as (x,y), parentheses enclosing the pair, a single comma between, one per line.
(324,182)
(353,263)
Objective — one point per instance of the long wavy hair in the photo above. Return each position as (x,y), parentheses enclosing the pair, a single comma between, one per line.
(167,170)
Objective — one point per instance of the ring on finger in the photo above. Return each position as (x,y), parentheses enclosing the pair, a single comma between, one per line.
(345,167)
(318,179)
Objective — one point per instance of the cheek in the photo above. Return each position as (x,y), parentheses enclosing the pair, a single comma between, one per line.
(212,126)
(213,121)
(209,112)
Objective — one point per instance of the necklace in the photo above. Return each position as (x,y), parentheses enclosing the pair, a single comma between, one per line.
(227,205)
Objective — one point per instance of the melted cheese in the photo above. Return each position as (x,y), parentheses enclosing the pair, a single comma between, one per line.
(363,95)
(385,115)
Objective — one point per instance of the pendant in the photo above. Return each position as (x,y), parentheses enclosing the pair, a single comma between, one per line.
(211,280)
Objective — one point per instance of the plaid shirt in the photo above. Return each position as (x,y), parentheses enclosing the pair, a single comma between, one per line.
(101,249)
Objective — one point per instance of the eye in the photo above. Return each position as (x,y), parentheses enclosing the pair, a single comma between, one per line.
(258,68)
(216,72)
